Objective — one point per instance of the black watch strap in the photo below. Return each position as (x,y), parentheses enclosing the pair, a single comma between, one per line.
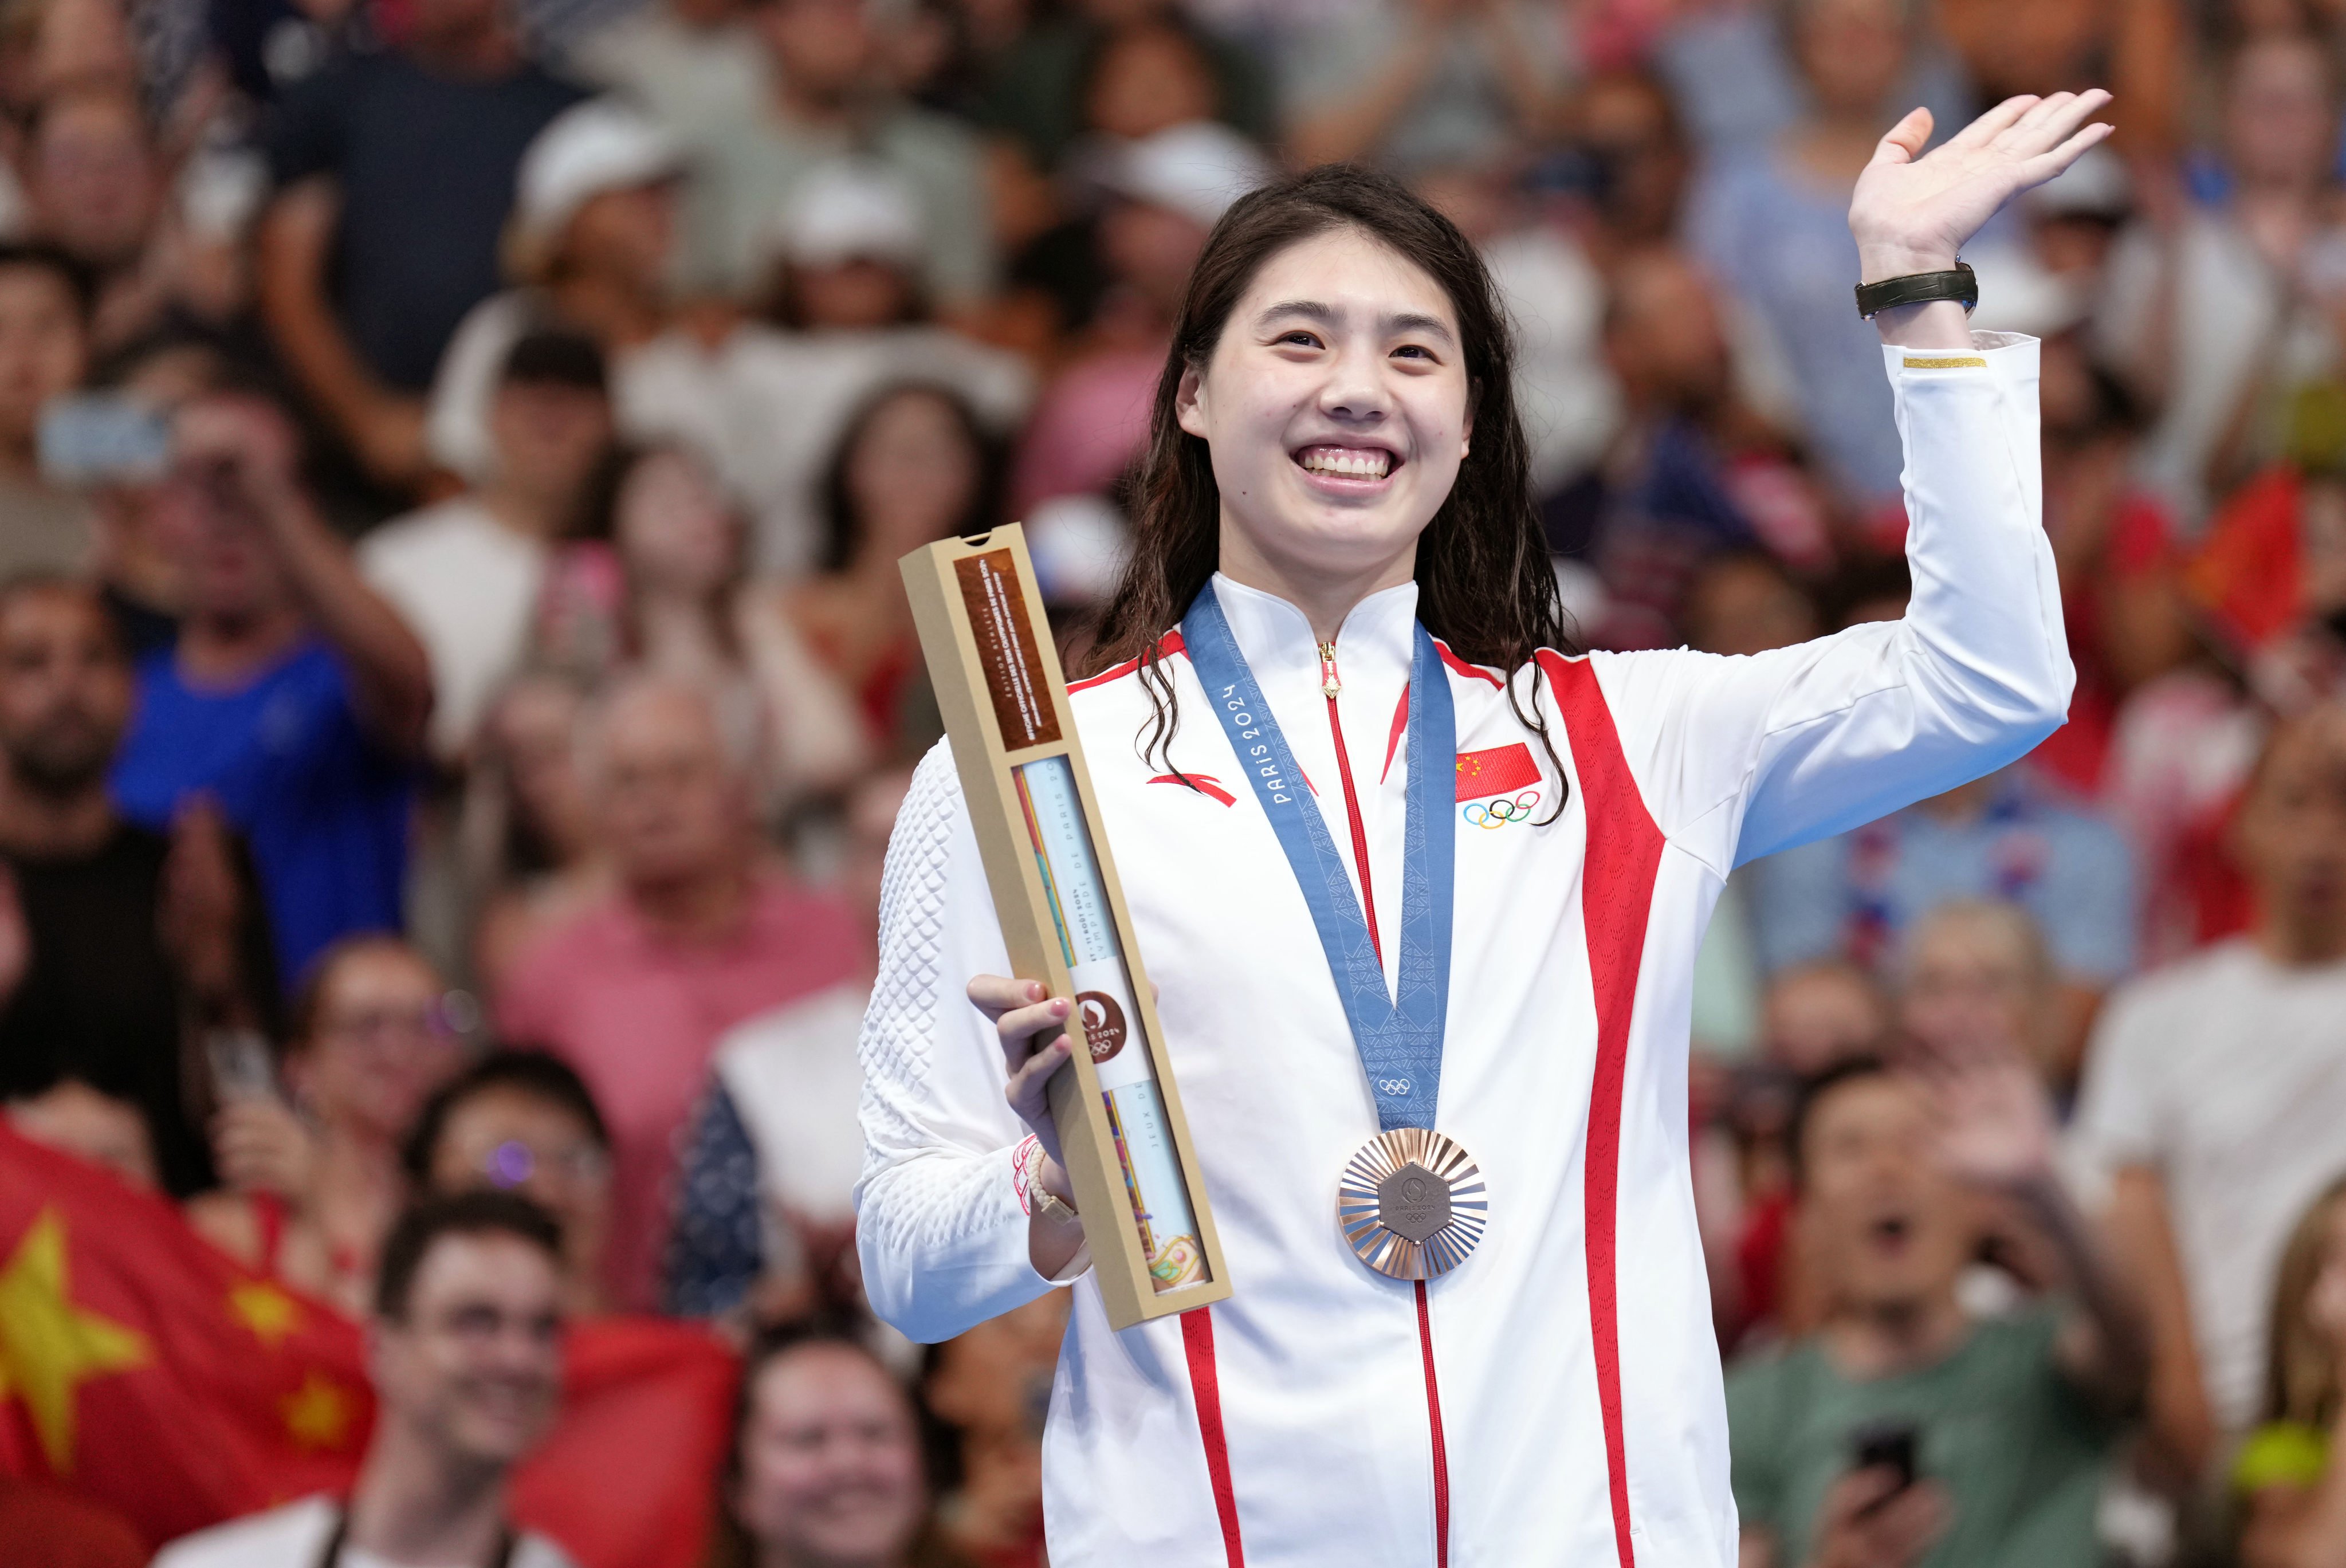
(1961,285)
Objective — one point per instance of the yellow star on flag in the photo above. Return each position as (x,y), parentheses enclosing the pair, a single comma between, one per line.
(318,1414)
(265,1309)
(48,1348)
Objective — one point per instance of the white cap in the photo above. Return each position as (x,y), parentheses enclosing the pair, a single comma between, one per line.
(601,144)
(1196,169)
(850,209)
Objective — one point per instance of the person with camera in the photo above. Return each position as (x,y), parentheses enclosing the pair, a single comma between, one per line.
(1912,1429)
(295,697)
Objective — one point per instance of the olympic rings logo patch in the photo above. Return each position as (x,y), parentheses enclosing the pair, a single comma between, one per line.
(1499,812)
(1392,1085)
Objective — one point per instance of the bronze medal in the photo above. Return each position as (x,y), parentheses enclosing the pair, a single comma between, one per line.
(1412,1203)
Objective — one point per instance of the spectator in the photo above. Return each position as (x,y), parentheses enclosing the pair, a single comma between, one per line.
(467,574)
(1416,85)
(314,1184)
(1036,97)
(824,104)
(468,1362)
(2114,545)
(590,245)
(99,190)
(295,697)
(118,942)
(2005,837)
(768,407)
(2208,301)
(1975,980)
(526,836)
(2010,1422)
(1556,297)
(1630,147)
(1693,470)
(992,1386)
(684,606)
(44,305)
(700,935)
(775,1147)
(676,57)
(522,1122)
(1814,1017)
(2287,1472)
(1164,195)
(2215,1092)
(394,173)
(913,468)
(826,1462)
(1770,220)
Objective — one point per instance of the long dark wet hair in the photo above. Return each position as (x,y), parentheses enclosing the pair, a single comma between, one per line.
(1486,585)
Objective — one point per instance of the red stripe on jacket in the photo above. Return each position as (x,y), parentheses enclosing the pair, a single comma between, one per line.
(1622,857)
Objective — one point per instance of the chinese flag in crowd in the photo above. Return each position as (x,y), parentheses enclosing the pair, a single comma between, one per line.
(149,1372)
(628,1478)
(152,1374)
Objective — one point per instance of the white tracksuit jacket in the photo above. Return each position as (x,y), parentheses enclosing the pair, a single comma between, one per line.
(1556,1399)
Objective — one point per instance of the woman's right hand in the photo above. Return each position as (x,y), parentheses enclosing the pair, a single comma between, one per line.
(1022,1012)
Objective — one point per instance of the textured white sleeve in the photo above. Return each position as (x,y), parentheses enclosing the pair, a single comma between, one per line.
(940,1221)
(1739,757)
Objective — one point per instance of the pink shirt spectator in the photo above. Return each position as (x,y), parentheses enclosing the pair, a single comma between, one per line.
(639,1016)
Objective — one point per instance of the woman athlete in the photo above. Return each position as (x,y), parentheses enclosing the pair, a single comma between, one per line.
(1403,870)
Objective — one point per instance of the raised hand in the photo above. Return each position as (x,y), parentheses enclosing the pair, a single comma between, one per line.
(1913,211)
(1995,1126)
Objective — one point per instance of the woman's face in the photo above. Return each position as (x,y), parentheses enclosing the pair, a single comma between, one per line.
(674,528)
(379,1046)
(912,475)
(831,1461)
(1335,408)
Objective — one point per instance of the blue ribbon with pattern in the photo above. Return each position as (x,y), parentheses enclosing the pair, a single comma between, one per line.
(1398,1038)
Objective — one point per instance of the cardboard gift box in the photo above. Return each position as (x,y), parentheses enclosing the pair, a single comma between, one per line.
(1121,1130)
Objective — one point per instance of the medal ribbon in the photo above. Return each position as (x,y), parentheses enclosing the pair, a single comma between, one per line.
(1398,1038)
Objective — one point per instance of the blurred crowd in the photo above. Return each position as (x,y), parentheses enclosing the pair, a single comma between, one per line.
(455,689)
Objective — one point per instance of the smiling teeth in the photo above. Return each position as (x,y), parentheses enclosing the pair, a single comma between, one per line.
(1351,463)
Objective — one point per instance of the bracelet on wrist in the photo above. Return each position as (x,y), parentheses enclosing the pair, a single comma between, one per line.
(1960,284)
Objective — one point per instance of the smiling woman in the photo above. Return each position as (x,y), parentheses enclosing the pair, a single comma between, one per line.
(1473,929)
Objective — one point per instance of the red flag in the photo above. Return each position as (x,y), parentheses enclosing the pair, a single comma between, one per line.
(151,1372)
(627,1479)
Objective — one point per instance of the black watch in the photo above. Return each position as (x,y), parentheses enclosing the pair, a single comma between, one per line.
(1961,285)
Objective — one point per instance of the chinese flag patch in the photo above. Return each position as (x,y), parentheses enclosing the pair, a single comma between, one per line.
(1500,771)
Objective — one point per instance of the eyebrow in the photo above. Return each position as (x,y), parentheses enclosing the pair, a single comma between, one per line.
(1326,315)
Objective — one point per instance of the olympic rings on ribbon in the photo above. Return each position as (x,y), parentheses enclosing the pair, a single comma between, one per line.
(1499,813)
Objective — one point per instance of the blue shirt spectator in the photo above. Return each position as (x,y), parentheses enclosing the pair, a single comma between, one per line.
(323,807)
(2001,837)
(294,698)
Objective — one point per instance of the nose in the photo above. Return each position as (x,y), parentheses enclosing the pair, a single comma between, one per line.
(1355,391)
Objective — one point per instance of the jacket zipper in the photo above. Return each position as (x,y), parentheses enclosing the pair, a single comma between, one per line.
(1331,683)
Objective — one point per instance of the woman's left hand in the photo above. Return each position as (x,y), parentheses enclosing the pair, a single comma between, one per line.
(1913,211)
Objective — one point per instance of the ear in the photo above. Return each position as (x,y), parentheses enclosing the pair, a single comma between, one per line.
(1189,401)
(1466,431)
